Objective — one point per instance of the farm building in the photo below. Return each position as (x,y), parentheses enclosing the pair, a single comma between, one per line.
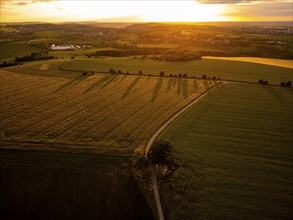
(62,47)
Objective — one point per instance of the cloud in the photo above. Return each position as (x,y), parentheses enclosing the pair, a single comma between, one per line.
(273,9)
(24,3)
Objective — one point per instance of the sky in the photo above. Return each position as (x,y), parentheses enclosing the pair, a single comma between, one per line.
(145,10)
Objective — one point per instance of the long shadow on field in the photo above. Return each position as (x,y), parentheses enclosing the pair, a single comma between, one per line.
(107,79)
(70,83)
(112,79)
(157,89)
(195,85)
(169,84)
(179,86)
(174,82)
(206,84)
(185,88)
(276,94)
(128,90)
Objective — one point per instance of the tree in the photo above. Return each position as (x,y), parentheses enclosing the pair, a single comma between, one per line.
(265,82)
(185,75)
(119,72)
(171,75)
(162,73)
(161,152)
(140,72)
(260,81)
(204,76)
(111,70)
(180,75)
(288,84)
(283,84)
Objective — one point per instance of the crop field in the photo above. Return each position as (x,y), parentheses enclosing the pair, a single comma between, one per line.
(235,154)
(38,185)
(226,69)
(10,50)
(102,113)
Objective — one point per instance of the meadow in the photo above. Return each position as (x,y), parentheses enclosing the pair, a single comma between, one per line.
(101,113)
(234,150)
(10,50)
(226,69)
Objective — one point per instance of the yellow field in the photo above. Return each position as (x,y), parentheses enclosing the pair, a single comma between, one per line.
(103,113)
(267,61)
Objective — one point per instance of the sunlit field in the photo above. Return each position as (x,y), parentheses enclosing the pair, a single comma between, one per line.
(102,113)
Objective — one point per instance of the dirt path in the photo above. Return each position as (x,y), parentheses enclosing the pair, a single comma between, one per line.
(155,136)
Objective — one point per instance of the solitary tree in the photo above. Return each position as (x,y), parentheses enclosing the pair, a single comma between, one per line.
(288,84)
(283,84)
(140,72)
(161,152)
(162,73)
(204,76)
(119,72)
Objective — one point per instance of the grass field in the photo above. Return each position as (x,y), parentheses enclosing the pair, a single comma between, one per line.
(103,113)
(235,154)
(10,50)
(226,69)
(36,185)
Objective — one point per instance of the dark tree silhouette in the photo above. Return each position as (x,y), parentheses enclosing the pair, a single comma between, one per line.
(161,152)
(162,73)
(140,72)
(185,75)
(288,84)
(261,81)
(283,84)
(180,75)
(204,76)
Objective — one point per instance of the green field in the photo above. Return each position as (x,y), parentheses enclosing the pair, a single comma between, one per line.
(10,50)
(36,185)
(226,69)
(235,154)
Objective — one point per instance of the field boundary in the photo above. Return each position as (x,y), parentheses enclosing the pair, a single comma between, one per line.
(156,135)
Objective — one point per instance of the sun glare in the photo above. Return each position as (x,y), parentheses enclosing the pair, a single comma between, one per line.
(161,11)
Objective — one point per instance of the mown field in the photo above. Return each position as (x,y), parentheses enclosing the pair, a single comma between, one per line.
(235,154)
(102,113)
(226,69)
(37,185)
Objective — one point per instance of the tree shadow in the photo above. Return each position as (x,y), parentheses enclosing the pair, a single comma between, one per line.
(98,83)
(70,83)
(128,90)
(112,79)
(195,85)
(174,82)
(206,84)
(169,84)
(185,88)
(179,86)
(157,89)
(275,94)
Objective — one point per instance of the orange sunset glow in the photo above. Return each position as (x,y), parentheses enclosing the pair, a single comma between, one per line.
(144,11)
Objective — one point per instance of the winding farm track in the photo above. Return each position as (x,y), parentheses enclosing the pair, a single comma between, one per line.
(156,135)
